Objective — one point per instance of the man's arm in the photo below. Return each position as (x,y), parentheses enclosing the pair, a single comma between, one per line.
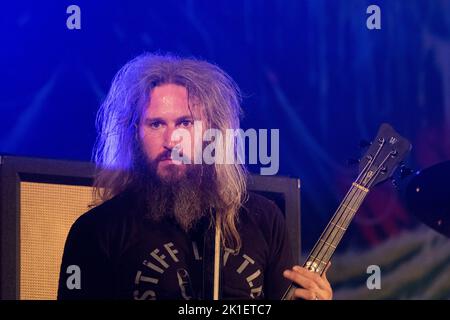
(85,271)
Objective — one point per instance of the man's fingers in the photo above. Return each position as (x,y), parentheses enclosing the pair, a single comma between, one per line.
(301,279)
(319,281)
(324,275)
(313,286)
(305,294)
(307,273)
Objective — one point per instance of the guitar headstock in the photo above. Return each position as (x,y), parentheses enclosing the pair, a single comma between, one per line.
(384,155)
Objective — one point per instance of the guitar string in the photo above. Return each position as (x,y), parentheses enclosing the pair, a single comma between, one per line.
(339,215)
(353,208)
(348,216)
(317,248)
(292,286)
(339,222)
(336,233)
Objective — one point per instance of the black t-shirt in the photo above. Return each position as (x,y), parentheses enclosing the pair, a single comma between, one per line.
(121,254)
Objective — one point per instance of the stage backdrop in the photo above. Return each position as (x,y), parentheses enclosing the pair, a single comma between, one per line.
(310,68)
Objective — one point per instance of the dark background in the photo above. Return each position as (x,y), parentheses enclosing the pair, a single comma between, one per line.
(309,68)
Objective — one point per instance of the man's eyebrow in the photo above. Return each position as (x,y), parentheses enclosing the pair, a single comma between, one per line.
(154,119)
(183,117)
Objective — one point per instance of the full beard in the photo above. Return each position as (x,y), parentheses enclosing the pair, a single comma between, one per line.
(186,199)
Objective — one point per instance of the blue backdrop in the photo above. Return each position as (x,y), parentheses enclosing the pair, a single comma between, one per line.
(310,68)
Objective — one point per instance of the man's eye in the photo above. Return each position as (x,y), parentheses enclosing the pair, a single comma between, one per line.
(155,125)
(186,123)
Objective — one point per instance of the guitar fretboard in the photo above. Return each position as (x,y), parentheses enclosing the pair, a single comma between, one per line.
(324,248)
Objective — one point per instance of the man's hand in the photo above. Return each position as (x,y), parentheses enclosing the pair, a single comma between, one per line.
(312,285)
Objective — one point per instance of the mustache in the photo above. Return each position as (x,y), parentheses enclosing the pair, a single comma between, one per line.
(164,156)
(167,154)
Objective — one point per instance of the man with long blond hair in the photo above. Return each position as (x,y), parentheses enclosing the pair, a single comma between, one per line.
(144,238)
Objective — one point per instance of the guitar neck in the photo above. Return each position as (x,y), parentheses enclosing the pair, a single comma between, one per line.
(324,248)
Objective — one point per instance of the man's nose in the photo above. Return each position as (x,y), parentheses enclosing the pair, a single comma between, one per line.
(169,143)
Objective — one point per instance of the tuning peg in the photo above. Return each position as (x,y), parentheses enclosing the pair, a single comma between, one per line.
(364,143)
(352,161)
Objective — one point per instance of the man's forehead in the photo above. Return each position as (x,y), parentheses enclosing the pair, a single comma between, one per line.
(168,108)
(171,99)
(172,111)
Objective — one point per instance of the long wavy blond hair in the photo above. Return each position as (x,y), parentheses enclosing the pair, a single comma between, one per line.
(210,90)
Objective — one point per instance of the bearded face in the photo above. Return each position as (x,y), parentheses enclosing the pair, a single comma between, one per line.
(183,191)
